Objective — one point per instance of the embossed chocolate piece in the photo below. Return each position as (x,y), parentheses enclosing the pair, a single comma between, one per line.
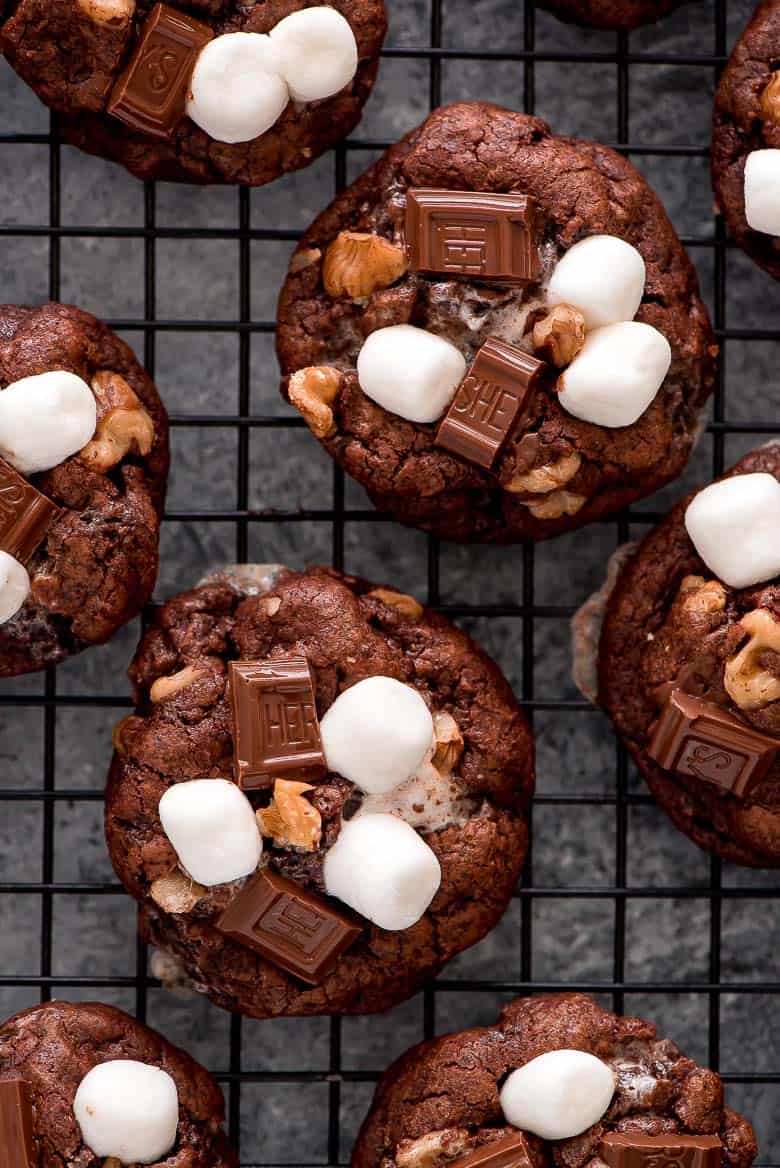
(670,1150)
(289,926)
(16,1125)
(694,737)
(512,1151)
(472,233)
(275,721)
(151,93)
(488,402)
(25,514)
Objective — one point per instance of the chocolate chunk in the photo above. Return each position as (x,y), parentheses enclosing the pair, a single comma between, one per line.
(512,1151)
(694,737)
(16,1125)
(488,402)
(290,926)
(150,95)
(472,233)
(670,1150)
(25,514)
(275,721)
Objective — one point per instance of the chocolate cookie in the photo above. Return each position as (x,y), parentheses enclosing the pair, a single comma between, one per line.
(446,333)
(468,1098)
(83,468)
(198,92)
(619,14)
(380,755)
(689,662)
(746,139)
(81,1083)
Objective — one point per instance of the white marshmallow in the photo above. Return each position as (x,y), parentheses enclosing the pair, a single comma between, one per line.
(318,52)
(129,1110)
(237,91)
(603,276)
(616,374)
(735,528)
(381,867)
(410,372)
(213,829)
(44,419)
(762,191)
(14,586)
(559,1094)
(377,733)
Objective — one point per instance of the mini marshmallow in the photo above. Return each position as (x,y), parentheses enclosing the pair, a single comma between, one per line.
(616,374)
(602,276)
(128,1110)
(318,52)
(377,733)
(45,419)
(762,191)
(410,372)
(237,91)
(14,586)
(213,829)
(381,867)
(558,1094)
(735,528)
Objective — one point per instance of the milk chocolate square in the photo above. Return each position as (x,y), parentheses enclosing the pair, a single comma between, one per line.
(290,926)
(670,1150)
(25,514)
(488,402)
(480,234)
(511,1151)
(16,1125)
(698,738)
(275,726)
(151,93)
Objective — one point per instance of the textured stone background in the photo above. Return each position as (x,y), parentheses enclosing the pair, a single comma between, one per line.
(668,939)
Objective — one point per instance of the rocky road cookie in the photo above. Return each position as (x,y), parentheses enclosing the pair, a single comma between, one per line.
(618,14)
(85,1084)
(200,92)
(556,1079)
(83,467)
(323,795)
(689,661)
(496,331)
(746,140)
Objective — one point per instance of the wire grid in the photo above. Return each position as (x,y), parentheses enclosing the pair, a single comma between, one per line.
(622,893)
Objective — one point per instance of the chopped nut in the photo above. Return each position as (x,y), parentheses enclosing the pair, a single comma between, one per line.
(112,1162)
(770,99)
(405,604)
(289,819)
(557,504)
(560,335)
(166,687)
(122,424)
(543,479)
(746,682)
(700,596)
(117,732)
(312,391)
(357,264)
(270,605)
(449,742)
(177,892)
(107,11)
(304,259)
(431,1149)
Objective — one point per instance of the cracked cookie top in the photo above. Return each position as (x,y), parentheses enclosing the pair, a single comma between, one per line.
(617,14)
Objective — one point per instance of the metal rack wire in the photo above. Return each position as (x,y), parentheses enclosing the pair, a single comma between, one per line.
(621,893)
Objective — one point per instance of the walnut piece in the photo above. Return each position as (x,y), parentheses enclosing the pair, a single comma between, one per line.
(770,100)
(122,424)
(557,504)
(543,479)
(304,259)
(312,391)
(118,731)
(112,1162)
(449,742)
(176,892)
(747,683)
(108,11)
(560,335)
(270,605)
(291,820)
(702,597)
(357,264)
(433,1148)
(405,604)
(166,687)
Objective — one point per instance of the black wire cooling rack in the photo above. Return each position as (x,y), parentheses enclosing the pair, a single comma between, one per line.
(756,1078)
